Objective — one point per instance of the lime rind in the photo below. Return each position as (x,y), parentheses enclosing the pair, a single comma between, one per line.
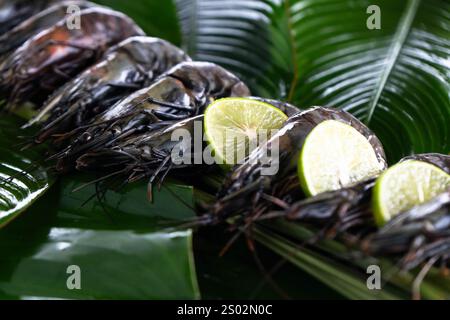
(406,185)
(237,115)
(335,155)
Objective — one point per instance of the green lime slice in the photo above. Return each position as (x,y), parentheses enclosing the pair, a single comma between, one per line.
(235,126)
(336,155)
(406,185)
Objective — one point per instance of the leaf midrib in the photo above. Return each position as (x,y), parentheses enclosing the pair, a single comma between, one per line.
(398,41)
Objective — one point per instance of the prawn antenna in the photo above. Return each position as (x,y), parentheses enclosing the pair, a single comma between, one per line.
(421,276)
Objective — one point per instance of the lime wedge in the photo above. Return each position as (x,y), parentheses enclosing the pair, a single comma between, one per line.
(336,155)
(235,126)
(406,185)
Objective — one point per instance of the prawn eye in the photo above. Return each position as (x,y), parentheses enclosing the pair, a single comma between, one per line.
(86,136)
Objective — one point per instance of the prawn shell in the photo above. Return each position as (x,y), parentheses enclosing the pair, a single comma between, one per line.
(441,161)
(179,85)
(151,51)
(41,65)
(13,12)
(330,205)
(181,92)
(165,89)
(411,232)
(36,23)
(138,149)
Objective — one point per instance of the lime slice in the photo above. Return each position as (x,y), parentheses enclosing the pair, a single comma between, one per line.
(336,155)
(406,185)
(235,126)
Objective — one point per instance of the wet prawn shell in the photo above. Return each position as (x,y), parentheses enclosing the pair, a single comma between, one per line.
(36,23)
(165,89)
(331,204)
(192,84)
(441,161)
(189,85)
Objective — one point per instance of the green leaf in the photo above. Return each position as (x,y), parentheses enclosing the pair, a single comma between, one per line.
(22,179)
(340,276)
(320,52)
(123,253)
(157,18)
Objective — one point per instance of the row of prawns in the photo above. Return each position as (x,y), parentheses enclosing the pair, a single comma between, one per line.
(418,237)
(107,95)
